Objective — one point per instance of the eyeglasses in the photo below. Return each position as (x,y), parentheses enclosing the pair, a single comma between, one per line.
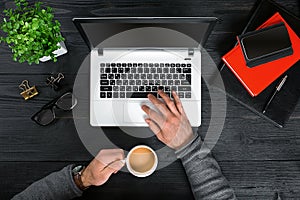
(47,115)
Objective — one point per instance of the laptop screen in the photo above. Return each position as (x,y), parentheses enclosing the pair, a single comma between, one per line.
(145,32)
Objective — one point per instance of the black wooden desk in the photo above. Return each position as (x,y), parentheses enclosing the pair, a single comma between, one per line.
(257,158)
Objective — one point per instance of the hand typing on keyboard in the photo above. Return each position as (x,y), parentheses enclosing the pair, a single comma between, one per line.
(171,125)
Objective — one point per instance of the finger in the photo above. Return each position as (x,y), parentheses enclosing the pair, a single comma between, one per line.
(178,103)
(107,156)
(159,105)
(169,102)
(154,128)
(153,115)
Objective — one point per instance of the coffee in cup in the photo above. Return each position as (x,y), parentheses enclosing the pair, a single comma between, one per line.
(141,161)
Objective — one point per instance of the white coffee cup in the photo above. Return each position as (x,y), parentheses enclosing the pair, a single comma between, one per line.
(141,161)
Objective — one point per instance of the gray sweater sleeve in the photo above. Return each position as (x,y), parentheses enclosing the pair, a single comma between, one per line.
(57,186)
(204,173)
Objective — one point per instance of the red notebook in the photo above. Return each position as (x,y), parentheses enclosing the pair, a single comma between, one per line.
(256,79)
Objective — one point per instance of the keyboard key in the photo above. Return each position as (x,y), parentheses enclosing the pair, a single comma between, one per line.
(161,88)
(119,64)
(183,65)
(188,95)
(128,88)
(172,65)
(134,65)
(148,88)
(181,76)
(177,82)
(167,65)
(103,76)
(143,76)
(161,64)
(170,82)
(175,76)
(151,65)
(116,95)
(151,82)
(144,82)
(159,70)
(185,82)
(146,70)
(105,88)
(187,70)
(184,88)
(152,70)
(131,82)
(130,76)
(140,64)
(154,88)
(138,82)
(125,82)
(133,70)
(177,64)
(109,95)
(169,76)
(142,88)
(156,65)
(164,82)
(162,76)
(178,70)
(167,89)
(135,88)
(166,70)
(107,70)
(188,77)
(122,94)
(124,64)
(127,70)
(119,82)
(107,64)
(157,82)
(123,76)
(140,70)
(102,95)
(115,88)
(122,88)
(102,70)
(136,76)
(120,70)
(156,76)
(112,82)
(117,76)
(139,94)
(114,70)
(189,65)
(129,64)
(180,94)
(146,65)
(102,64)
(174,88)
(172,70)
(113,64)
(111,76)
(149,76)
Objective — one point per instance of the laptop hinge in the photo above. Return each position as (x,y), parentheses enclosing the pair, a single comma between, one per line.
(100,52)
(191,52)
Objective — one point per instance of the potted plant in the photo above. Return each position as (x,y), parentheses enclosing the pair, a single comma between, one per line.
(32,33)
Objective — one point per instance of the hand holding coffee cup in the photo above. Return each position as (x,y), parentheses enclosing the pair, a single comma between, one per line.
(170,124)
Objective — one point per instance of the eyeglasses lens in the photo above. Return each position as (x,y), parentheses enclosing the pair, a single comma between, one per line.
(44,117)
(66,102)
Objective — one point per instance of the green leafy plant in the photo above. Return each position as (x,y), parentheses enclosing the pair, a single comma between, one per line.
(31,32)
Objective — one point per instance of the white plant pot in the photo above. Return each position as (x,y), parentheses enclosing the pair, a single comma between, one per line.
(61,51)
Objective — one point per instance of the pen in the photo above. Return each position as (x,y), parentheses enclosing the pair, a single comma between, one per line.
(278,88)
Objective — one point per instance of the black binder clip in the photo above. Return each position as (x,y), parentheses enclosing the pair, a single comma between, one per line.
(55,82)
(28,92)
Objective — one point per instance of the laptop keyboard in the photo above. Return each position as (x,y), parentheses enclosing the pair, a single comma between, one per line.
(137,80)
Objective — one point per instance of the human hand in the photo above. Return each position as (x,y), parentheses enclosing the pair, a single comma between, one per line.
(107,162)
(170,124)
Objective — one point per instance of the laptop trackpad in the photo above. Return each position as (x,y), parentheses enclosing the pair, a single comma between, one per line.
(133,112)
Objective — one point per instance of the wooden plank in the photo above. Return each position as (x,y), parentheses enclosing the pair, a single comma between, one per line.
(250,180)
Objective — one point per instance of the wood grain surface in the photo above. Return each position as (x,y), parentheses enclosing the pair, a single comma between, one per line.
(257,158)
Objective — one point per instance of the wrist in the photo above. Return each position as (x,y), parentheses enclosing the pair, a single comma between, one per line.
(84,178)
(77,173)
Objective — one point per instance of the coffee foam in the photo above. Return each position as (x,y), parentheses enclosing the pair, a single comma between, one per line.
(141,160)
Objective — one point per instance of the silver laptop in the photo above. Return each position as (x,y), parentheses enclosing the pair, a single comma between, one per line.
(134,56)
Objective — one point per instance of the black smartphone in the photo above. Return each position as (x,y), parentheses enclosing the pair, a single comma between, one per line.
(266,45)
